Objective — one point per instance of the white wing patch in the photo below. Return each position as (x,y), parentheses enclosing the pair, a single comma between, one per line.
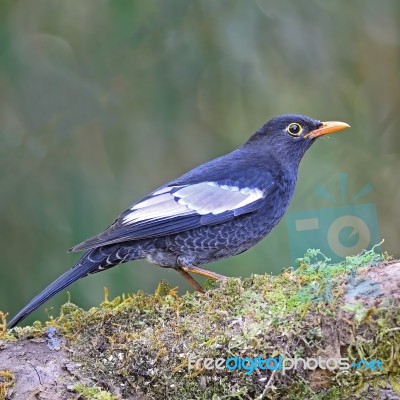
(200,198)
(207,197)
(160,206)
(153,200)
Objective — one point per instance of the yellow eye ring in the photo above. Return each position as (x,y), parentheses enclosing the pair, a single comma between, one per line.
(294,129)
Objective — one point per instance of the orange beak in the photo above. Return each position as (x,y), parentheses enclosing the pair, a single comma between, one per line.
(327,127)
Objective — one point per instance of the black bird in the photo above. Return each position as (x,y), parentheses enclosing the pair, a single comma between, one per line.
(217,210)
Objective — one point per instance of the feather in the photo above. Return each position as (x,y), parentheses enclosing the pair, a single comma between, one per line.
(176,208)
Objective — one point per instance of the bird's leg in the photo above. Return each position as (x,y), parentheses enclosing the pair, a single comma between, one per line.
(204,272)
(190,279)
(185,268)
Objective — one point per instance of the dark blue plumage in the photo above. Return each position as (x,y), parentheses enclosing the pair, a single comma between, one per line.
(216,210)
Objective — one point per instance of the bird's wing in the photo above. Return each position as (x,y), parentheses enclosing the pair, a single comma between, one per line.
(178,207)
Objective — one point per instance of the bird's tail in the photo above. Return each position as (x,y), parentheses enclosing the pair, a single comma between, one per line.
(93,261)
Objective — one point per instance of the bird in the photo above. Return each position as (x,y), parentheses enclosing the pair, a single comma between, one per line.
(216,210)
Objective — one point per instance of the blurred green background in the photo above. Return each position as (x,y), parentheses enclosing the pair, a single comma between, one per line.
(103,101)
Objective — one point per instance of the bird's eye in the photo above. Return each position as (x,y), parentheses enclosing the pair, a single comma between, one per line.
(294,129)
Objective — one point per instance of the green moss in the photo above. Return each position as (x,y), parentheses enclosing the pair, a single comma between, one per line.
(140,343)
(93,393)
(7,380)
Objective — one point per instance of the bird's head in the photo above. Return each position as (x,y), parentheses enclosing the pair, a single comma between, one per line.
(290,135)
